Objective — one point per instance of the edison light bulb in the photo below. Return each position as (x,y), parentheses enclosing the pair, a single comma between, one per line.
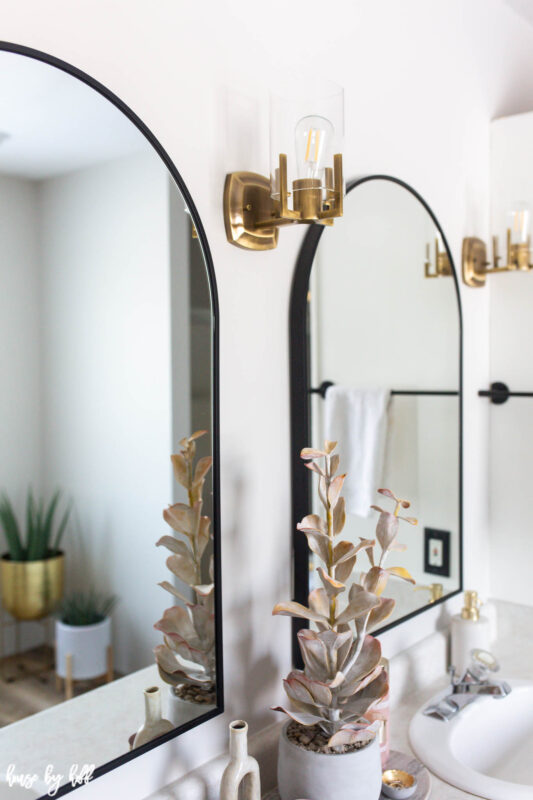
(313,139)
(518,222)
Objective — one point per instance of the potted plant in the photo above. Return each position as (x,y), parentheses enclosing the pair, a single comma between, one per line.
(31,572)
(186,660)
(329,747)
(83,637)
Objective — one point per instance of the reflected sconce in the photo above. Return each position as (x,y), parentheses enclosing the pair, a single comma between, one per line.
(443,268)
(518,257)
(306,181)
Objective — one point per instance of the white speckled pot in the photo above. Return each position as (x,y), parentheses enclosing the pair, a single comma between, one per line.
(87,644)
(315,776)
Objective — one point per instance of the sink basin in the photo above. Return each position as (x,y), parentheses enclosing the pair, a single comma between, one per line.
(487,749)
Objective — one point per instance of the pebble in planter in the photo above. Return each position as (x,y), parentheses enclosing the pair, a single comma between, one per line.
(329,748)
(83,639)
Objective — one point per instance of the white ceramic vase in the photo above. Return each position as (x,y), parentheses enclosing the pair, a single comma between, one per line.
(315,776)
(242,768)
(87,644)
(154,725)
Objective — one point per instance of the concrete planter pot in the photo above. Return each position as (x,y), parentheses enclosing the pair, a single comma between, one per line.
(346,776)
(87,644)
(180,711)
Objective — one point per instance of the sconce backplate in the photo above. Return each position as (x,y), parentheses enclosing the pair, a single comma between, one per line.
(246,201)
(474,262)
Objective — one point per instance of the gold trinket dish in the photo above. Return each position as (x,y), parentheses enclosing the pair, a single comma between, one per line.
(398,784)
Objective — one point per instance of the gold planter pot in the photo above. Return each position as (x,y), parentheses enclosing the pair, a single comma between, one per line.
(31,589)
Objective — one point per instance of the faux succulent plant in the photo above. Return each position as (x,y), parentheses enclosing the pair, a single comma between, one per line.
(187,655)
(342,677)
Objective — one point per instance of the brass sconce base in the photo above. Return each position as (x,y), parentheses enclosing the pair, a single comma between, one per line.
(246,201)
(474,262)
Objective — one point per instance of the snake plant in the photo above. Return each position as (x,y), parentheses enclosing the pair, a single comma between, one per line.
(41,538)
(86,608)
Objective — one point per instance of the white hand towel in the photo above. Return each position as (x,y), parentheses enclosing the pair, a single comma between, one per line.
(357,420)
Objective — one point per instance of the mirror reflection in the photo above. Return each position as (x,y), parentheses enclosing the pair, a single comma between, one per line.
(384,343)
(106,364)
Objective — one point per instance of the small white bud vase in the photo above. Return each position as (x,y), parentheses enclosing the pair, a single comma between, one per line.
(154,725)
(242,768)
(315,776)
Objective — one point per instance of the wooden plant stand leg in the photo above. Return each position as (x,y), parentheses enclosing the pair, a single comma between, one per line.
(2,655)
(20,666)
(109,663)
(59,682)
(69,692)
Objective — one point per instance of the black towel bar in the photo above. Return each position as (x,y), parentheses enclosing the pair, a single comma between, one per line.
(324,386)
(499,393)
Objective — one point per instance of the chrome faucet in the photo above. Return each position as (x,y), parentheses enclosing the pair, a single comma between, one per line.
(474,683)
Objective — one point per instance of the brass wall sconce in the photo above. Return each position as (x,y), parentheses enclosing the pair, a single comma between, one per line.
(475,264)
(305,156)
(443,268)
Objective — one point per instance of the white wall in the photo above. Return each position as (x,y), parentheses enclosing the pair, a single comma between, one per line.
(422,79)
(20,411)
(511,361)
(106,350)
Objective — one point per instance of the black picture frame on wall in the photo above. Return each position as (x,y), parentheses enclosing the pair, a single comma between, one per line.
(300,405)
(46,58)
(433,535)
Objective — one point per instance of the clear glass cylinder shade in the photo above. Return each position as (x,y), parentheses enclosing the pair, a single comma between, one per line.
(518,221)
(307,126)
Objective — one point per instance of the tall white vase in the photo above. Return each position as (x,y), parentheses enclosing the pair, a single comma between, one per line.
(315,776)
(242,768)
(154,725)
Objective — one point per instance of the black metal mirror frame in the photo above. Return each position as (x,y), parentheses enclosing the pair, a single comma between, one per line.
(147,133)
(301,410)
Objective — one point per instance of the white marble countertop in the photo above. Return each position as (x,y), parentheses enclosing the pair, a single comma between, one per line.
(92,728)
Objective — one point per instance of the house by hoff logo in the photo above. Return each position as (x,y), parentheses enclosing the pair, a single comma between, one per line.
(78,774)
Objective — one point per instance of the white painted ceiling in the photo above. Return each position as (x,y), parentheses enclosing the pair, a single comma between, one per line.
(55,123)
(522,7)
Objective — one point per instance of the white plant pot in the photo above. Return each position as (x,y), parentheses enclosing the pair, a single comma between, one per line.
(88,646)
(315,776)
(179,711)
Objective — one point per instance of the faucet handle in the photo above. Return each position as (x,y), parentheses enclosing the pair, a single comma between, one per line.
(451,673)
(482,662)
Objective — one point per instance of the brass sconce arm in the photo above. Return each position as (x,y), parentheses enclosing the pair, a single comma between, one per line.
(476,267)
(252,216)
(443,268)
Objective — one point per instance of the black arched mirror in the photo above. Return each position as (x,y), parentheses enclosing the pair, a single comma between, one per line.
(375,349)
(110,611)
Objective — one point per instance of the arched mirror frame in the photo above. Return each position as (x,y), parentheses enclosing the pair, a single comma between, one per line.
(38,55)
(301,409)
